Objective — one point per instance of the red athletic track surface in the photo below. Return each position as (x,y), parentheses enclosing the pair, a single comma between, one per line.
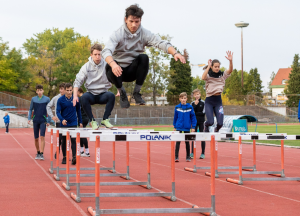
(27,188)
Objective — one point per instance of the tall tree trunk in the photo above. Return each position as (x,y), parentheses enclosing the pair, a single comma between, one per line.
(154,87)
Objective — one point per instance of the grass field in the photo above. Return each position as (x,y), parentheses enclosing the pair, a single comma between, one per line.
(289,129)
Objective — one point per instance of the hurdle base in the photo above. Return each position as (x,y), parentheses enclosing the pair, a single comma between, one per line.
(209,174)
(67,187)
(75,198)
(172,198)
(56,177)
(125,177)
(234,181)
(146,186)
(190,169)
(203,213)
(91,211)
(277,175)
(50,171)
(249,170)
(112,171)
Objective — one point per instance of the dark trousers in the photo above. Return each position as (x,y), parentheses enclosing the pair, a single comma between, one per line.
(137,70)
(213,104)
(187,145)
(84,141)
(6,125)
(57,125)
(88,99)
(199,126)
(64,144)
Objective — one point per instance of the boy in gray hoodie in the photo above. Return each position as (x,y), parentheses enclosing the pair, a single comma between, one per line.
(124,54)
(93,75)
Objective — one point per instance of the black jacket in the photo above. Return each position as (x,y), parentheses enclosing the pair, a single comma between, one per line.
(199,111)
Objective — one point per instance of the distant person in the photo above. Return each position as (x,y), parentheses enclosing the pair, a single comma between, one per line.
(52,104)
(214,86)
(92,74)
(199,110)
(184,121)
(69,117)
(85,120)
(6,121)
(40,121)
(125,55)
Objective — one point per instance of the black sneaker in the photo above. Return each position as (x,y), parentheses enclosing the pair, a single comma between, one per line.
(215,130)
(138,98)
(124,100)
(74,161)
(205,128)
(64,160)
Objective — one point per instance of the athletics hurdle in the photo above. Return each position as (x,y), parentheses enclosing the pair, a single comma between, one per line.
(51,151)
(279,174)
(146,137)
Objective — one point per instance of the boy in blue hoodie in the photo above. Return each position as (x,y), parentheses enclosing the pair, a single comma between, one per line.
(184,121)
(6,121)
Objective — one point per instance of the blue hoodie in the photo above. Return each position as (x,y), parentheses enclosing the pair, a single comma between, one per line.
(6,119)
(184,117)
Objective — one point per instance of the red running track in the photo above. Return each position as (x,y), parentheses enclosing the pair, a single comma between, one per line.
(29,189)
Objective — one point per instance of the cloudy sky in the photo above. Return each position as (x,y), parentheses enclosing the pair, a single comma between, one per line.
(205,28)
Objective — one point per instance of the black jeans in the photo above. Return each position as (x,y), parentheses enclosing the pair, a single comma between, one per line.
(84,141)
(187,145)
(57,125)
(64,144)
(137,70)
(6,125)
(213,104)
(200,126)
(89,99)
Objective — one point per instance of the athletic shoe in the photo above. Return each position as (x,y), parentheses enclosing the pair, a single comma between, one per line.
(192,155)
(124,103)
(6,132)
(176,160)
(202,156)
(87,155)
(215,130)
(82,154)
(106,123)
(205,128)
(138,98)
(42,157)
(37,157)
(95,125)
(74,161)
(64,160)
(188,160)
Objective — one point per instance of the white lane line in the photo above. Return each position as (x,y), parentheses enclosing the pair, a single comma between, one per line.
(54,182)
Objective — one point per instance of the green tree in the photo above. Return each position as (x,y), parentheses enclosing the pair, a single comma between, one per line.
(233,85)
(198,83)
(293,86)
(253,83)
(180,79)
(271,80)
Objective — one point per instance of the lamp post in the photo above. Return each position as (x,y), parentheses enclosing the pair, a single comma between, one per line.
(242,25)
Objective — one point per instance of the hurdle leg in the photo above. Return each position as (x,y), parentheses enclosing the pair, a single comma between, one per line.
(148,186)
(66,185)
(51,152)
(282,161)
(216,159)
(127,162)
(76,196)
(173,198)
(194,161)
(56,176)
(212,179)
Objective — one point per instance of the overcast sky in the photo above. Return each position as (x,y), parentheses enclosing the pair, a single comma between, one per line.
(205,28)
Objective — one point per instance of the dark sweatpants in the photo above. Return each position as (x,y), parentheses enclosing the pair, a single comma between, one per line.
(64,144)
(6,125)
(137,70)
(199,126)
(213,104)
(57,125)
(84,141)
(187,145)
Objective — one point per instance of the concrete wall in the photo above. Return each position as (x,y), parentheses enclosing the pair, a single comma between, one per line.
(15,120)
(279,110)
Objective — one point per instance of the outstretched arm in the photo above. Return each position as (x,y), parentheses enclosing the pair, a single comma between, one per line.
(229,57)
(177,56)
(204,75)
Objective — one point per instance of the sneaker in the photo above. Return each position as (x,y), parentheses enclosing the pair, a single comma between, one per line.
(42,157)
(64,160)
(124,100)
(205,128)
(138,98)
(74,161)
(82,154)
(176,160)
(87,155)
(202,156)
(95,125)
(192,155)
(188,159)
(37,157)
(215,130)
(106,123)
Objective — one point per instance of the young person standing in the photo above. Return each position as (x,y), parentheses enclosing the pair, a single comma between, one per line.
(52,104)
(199,110)
(184,121)
(6,121)
(40,120)
(124,54)
(93,75)
(214,85)
(69,117)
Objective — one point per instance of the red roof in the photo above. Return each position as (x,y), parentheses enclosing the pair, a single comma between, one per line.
(282,74)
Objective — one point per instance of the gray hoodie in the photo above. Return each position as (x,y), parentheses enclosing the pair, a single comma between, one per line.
(124,47)
(52,104)
(94,77)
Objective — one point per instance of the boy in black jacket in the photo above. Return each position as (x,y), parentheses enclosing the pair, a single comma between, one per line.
(198,106)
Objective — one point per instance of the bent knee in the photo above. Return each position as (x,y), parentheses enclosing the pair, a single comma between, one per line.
(143,58)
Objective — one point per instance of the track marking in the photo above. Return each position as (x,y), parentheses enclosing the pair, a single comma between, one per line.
(54,182)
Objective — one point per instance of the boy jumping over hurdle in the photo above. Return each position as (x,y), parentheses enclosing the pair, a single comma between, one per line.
(184,121)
